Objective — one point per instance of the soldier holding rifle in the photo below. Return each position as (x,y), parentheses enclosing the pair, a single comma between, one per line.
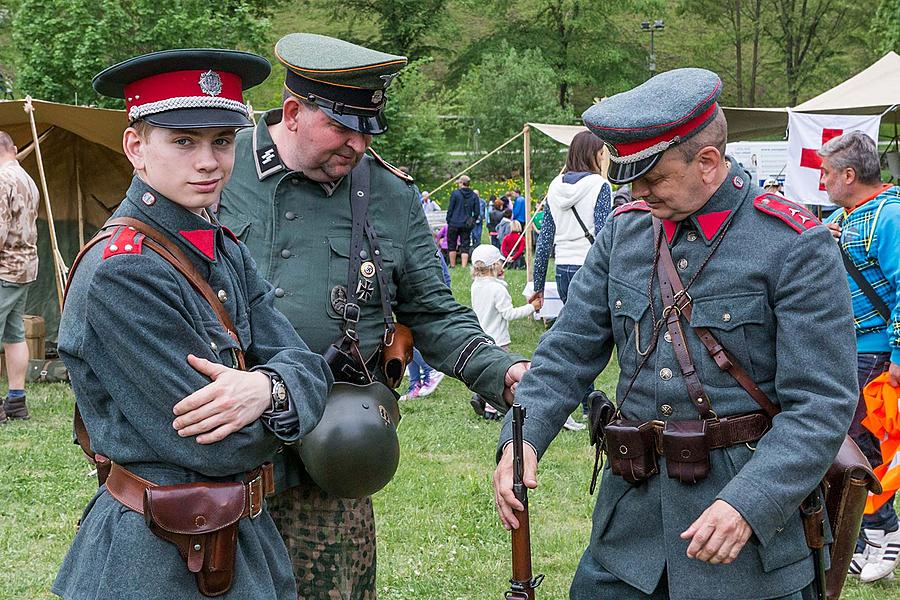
(701,490)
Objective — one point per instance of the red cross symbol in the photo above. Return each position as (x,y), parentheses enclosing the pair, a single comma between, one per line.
(811,160)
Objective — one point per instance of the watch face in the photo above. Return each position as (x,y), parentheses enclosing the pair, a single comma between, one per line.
(279,392)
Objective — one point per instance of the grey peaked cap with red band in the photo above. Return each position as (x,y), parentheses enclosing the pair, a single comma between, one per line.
(642,123)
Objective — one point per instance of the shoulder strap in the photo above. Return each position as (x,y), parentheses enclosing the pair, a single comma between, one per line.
(587,233)
(157,242)
(877,302)
(724,360)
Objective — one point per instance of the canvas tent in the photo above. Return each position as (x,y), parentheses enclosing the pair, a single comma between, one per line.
(874,90)
(86,174)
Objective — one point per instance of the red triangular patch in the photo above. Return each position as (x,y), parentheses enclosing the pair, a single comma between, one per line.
(203,240)
(710,223)
(670,227)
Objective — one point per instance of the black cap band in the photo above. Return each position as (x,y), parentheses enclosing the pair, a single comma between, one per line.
(340,100)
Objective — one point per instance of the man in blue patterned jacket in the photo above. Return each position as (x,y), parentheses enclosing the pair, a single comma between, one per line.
(867,227)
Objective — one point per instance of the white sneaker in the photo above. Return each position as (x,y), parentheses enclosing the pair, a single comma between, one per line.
(573,425)
(881,562)
(861,559)
(434,378)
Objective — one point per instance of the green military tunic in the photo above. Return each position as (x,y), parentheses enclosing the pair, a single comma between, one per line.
(298,231)
(775,296)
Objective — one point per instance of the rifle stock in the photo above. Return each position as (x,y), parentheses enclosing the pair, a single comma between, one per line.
(523,582)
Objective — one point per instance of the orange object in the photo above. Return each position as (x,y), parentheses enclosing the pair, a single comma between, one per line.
(883,420)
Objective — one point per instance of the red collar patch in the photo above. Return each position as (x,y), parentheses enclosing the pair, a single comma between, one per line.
(670,227)
(204,240)
(710,223)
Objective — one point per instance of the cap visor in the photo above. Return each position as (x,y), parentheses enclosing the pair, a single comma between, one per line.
(620,173)
(367,125)
(198,118)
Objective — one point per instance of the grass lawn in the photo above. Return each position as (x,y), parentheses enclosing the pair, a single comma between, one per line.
(438,534)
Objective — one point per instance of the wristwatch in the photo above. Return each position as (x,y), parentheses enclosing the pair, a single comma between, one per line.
(279,393)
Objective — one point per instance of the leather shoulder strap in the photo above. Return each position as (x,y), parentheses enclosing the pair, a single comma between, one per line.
(724,360)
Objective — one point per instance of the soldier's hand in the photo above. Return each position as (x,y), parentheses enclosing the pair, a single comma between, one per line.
(232,401)
(835,230)
(718,535)
(512,379)
(894,375)
(504,499)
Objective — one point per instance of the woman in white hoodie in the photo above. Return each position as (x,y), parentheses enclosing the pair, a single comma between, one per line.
(578,202)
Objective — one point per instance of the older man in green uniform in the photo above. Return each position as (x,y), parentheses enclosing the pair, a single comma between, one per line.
(700,494)
(291,200)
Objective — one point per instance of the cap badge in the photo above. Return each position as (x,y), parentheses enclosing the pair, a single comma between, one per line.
(388,79)
(377,97)
(148,199)
(738,182)
(210,83)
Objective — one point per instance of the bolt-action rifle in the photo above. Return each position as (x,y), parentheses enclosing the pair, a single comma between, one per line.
(523,582)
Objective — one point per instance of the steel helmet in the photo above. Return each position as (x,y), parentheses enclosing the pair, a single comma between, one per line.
(354,450)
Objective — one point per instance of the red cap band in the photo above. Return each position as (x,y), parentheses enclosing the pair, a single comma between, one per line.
(627,149)
(180,84)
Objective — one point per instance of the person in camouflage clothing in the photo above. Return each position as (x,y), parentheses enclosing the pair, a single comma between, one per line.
(18,269)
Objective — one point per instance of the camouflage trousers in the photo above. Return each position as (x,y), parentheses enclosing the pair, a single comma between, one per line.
(331,542)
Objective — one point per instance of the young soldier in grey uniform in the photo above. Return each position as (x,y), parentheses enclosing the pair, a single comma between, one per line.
(290,202)
(718,517)
(162,309)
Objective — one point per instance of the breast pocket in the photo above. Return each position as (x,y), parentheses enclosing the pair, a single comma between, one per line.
(338,275)
(632,326)
(739,322)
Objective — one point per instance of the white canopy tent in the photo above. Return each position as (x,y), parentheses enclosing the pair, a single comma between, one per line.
(872,91)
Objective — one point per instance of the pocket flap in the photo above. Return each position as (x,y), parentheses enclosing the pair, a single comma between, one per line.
(194,508)
(341,247)
(626,301)
(729,311)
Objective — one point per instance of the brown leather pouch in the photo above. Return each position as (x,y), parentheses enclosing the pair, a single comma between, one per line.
(201,519)
(396,356)
(687,450)
(631,450)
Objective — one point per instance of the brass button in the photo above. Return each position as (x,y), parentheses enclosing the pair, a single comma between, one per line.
(279,293)
(665,374)
(213,346)
(290,216)
(666,409)
(197,547)
(692,236)
(726,317)
(223,297)
(285,253)
(618,304)
(668,337)
(682,264)
(295,181)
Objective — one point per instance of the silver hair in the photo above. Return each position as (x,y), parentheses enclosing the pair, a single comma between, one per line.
(854,150)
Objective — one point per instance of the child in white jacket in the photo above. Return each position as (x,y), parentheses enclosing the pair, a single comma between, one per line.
(493,306)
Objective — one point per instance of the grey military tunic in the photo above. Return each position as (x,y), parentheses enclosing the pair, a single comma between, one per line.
(129,323)
(775,296)
(298,231)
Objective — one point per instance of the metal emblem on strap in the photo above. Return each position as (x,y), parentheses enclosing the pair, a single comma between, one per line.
(338,299)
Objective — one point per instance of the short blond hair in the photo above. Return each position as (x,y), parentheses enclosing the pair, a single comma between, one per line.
(479,269)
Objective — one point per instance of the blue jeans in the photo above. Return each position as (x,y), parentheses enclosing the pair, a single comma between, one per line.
(564,275)
(476,234)
(419,370)
(870,366)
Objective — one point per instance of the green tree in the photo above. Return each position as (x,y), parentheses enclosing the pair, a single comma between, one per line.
(886,27)
(504,91)
(62,44)
(416,134)
(403,26)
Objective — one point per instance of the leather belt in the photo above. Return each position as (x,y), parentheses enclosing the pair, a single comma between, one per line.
(129,489)
(724,431)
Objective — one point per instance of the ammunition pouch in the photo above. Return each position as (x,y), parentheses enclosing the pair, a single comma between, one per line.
(686,447)
(631,448)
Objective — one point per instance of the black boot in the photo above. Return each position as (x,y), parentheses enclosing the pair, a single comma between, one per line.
(477,403)
(15,408)
(3,419)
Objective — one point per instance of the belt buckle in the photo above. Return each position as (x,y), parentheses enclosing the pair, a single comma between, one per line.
(255,489)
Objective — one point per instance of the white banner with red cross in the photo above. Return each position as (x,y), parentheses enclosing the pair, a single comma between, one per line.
(806,134)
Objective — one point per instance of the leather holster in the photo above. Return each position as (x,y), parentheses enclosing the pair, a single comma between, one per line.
(396,355)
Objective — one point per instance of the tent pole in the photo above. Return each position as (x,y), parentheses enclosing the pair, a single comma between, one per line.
(526,142)
(80,201)
(29,108)
(483,158)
